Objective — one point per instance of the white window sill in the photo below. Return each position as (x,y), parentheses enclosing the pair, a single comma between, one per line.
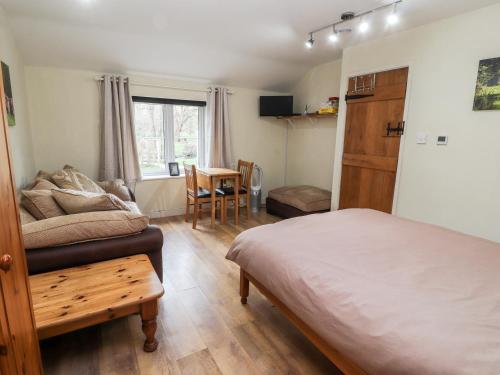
(161,177)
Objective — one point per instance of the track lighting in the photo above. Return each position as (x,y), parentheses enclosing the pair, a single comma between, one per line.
(310,42)
(393,18)
(334,36)
(364,25)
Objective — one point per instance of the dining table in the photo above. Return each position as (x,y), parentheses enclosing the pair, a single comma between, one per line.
(208,178)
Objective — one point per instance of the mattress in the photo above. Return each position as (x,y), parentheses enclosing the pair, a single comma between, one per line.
(395,296)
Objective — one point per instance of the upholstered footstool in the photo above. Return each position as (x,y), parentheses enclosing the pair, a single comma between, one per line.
(293,201)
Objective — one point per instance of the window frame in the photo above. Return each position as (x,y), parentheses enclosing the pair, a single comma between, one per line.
(169,131)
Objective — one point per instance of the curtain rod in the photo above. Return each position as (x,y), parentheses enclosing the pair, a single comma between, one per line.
(208,89)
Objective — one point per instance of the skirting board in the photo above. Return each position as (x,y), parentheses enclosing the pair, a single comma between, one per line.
(166,213)
(177,212)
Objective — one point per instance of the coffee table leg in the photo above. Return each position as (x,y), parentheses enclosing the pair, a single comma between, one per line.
(149,311)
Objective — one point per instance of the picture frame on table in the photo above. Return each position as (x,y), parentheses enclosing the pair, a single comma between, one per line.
(173,169)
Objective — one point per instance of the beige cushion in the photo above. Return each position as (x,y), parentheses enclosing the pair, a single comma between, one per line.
(132,206)
(83,227)
(86,183)
(43,184)
(40,204)
(118,188)
(44,175)
(305,198)
(74,201)
(25,216)
(67,179)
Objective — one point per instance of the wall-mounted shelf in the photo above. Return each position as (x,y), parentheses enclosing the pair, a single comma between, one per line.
(310,116)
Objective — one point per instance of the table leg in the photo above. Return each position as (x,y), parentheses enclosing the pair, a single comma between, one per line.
(223,210)
(213,183)
(236,200)
(149,311)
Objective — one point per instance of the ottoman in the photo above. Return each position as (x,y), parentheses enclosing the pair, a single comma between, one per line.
(293,201)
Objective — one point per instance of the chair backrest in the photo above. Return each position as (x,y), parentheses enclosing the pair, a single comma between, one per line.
(246,169)
(191,181)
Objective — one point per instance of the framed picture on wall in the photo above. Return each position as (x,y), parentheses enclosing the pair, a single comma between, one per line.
(173,168)
(9,101)
(487,96)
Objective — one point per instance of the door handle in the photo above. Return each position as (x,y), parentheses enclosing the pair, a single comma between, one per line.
(6,262)
(399,130)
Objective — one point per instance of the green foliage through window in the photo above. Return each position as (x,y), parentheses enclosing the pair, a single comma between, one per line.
(167,133)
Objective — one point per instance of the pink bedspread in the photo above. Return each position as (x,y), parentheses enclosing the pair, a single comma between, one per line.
(396,296)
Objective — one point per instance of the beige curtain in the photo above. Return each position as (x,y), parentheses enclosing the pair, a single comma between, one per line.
(219,149)
(119,157)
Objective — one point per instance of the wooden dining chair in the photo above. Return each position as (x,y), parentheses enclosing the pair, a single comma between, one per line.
(245,168)
(196,196)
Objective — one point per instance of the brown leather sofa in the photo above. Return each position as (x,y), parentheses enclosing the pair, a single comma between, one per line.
(149,242)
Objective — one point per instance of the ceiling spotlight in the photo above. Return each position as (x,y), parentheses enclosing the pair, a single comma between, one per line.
(392,19)
(364,26)
(334,36)
(310,42)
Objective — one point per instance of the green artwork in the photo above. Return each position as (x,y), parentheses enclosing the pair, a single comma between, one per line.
(488,85)
(9,101)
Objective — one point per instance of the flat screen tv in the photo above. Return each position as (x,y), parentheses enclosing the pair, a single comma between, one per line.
(276,105)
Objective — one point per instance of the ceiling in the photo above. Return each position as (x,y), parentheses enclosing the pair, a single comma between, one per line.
(252,43)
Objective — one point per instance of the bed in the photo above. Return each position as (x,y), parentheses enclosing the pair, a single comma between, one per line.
(379,294)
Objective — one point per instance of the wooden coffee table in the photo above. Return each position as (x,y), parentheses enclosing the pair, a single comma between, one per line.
(78,297)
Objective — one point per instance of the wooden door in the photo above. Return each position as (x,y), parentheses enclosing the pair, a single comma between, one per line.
(19,350)
(374,125)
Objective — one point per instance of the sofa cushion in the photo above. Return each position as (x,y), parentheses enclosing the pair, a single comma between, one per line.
(88,184)
(75,202)
(85,182)
(44,175)
(89,226)
(132,206)
(305,198)
(67,179)
(41,204)
(116,187)
(25,216)
(42,184)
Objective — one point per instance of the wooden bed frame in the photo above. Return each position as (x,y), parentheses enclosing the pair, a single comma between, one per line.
(346,365)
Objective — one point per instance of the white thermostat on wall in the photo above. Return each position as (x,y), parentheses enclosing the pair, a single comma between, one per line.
(442,140)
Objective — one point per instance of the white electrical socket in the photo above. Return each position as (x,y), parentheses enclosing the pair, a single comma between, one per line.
(421,138)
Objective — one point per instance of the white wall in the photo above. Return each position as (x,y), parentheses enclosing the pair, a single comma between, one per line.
(311,145)
(64,111)
(457,186)
(19,135)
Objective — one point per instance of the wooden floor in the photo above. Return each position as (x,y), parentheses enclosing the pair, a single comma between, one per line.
(202,327)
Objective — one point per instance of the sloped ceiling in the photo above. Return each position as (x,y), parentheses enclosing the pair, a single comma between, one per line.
(252,43)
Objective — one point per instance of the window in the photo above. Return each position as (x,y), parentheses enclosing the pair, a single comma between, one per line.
(168,130)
